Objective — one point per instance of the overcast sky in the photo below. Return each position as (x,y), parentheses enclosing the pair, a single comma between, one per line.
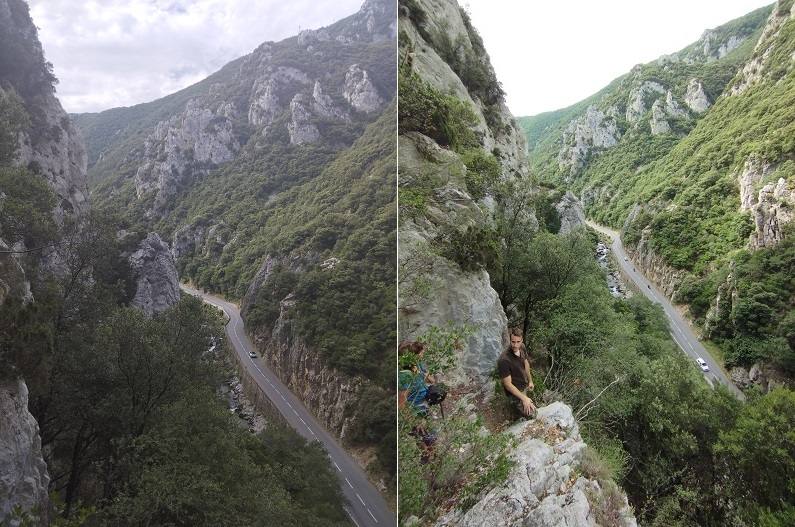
(552,54)
(111,53)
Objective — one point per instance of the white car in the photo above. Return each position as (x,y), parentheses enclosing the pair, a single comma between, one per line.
(702,364)
(252,354)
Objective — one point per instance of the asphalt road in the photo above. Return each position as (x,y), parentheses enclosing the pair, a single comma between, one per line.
(367,506)
(680,331)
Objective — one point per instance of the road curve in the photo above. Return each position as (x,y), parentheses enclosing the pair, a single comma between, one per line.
(367,506)
(679,329)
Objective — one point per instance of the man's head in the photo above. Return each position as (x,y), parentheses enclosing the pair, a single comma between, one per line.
(517,339)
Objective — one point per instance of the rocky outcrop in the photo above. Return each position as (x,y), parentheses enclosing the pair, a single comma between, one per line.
(753,70)
(53,146)
(302,130)
(176,146)
(592,131)
(571,214)
(433,289)
(654,267)
(546,487)
(773,210)
(326,392)
(638,97)
(696,98)
(156,274)
(24,478)
(360,92)
(759,376)
(771,205)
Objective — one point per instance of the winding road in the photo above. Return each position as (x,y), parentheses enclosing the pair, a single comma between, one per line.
(679,329)
(367,506)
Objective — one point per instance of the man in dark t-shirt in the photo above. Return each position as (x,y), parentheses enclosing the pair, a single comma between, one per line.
(514,370)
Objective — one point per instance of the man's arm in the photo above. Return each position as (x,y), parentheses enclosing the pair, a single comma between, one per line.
(530,385)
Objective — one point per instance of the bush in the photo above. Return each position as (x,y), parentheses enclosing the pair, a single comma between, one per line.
(445,119)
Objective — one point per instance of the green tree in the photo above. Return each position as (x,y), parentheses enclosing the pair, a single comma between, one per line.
(757,455)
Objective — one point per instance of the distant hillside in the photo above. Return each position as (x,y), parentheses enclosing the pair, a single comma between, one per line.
(692,156)
(273,180)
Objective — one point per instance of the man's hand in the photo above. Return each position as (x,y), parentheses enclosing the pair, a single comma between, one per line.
(529,407)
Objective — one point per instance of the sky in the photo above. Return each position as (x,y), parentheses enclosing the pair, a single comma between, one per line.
(112,53)
(551,54)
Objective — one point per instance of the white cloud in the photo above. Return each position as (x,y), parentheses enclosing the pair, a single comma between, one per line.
(124,52)
(549,55)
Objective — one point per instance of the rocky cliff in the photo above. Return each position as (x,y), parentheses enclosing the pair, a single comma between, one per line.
(550,485)
(300,91)
(24,478)
(327,392)
(53,146)
(156,275)
(435,290)
(662,97)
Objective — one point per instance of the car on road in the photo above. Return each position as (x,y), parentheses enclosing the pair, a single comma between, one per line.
(702,364)
(252,354)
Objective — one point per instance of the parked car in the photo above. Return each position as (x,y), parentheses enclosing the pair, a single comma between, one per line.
(702,364)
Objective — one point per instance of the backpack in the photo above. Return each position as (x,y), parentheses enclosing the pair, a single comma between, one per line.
(436,393)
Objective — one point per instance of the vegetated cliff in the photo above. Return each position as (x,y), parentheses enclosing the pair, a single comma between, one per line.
(273,179)
(51,147)
(435,289)
(447,217)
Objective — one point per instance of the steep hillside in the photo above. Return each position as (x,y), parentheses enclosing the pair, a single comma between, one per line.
(273,182)
(691,156)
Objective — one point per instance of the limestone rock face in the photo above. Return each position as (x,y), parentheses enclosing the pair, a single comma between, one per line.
(545,488)
(302,130)
(753,70)
(636,105)
(435,290)
(593,130)
(158,281)
(771,205)
(269,89)
(23,472)
(571,212)
(696,98)
(360,92)
(772,211)
(654,267)
(196,136)
(54,146)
